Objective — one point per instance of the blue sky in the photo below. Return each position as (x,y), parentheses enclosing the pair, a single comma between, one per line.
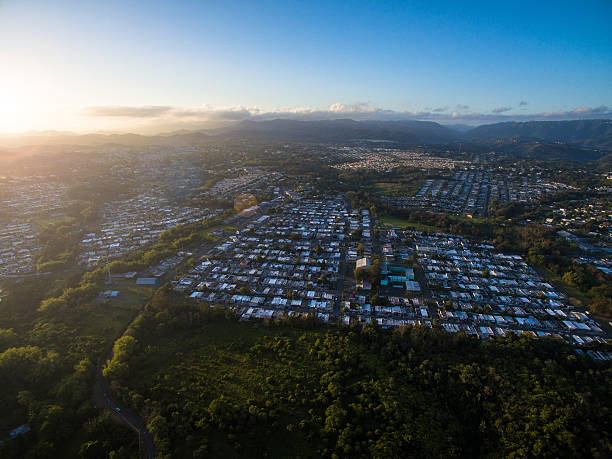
(98,65)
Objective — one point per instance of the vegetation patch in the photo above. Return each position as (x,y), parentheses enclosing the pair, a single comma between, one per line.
(211,386)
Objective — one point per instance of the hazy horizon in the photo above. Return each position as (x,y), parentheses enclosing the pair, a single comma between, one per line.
(211,128)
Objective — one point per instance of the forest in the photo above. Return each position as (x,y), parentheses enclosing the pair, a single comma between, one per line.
(54,334)
(210,385)
(48,358)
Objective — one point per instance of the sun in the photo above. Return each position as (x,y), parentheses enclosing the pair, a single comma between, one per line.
(17,100)
(27,95)
(13,110)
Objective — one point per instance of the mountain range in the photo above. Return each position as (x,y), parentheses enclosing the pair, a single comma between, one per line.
(591,134)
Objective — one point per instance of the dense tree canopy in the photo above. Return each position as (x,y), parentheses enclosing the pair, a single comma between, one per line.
(211,386)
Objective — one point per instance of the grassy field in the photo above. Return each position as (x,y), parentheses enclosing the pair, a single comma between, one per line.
(407,224)
(398,188)
(463,218)
(206,234)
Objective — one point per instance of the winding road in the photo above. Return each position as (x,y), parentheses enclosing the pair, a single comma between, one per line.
(103,398)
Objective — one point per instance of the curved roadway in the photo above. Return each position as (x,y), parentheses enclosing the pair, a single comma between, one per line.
(102,395)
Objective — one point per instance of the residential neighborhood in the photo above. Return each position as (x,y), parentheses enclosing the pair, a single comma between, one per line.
(471,191)
(24,201)
(480,291)
(135,222)
(18,248)
(314,256)
(386,159)
(284,262)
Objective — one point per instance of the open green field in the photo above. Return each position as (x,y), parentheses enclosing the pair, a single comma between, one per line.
(463,218)
(107,318)
(396,222)
(133,292)
(398,188)
(206,234)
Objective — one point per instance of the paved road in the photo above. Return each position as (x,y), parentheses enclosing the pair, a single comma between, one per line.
(103,397)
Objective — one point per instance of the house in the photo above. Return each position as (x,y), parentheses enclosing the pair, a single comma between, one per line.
(363,263)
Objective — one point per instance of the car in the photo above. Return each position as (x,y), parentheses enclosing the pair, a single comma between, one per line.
(118,410)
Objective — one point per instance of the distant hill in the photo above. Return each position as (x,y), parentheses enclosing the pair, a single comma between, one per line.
(567,140)
(341,130)
(592,133)
(549,151)
(562,139)
(605,162)
(459,127)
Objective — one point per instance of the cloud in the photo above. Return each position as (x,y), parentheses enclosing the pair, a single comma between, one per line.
(110,111)
(590,111)
(581,112)
(499,110)
(523,103)
(219,114)
(357,107)
(462,107)
(165,118)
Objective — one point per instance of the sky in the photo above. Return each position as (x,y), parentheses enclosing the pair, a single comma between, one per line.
(156,66)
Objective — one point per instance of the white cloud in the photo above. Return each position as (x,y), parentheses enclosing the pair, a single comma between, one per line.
(357,107)
(112,111)
(156,118)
